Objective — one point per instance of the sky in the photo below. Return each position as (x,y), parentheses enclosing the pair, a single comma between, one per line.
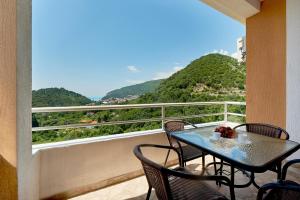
(94,46)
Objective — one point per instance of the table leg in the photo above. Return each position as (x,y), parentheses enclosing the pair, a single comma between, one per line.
(203,163)
(279,171)
(232,183)
(215,168)
(221,171)
(221,168)
(253,180)
(215,165)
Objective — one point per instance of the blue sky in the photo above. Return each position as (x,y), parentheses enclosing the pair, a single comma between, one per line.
(94,46)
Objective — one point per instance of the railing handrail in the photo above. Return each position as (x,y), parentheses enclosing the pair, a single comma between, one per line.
(163,118)
(126,106)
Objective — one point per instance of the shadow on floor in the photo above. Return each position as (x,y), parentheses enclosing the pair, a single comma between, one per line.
(136,189)
(143,197)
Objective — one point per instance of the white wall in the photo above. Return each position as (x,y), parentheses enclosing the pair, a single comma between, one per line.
(70,169)
(27,165)
(293,71)
(239,10)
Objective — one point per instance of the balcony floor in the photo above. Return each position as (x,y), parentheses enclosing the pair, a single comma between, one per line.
(136,189)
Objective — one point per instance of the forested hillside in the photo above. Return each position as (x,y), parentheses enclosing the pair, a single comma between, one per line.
(138,89)
(213,77)
(52,97)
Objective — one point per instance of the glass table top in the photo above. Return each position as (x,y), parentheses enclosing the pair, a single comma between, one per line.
(256,150)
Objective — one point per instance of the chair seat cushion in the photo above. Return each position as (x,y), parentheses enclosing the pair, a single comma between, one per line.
(187,189)
(283,194)
(190,152)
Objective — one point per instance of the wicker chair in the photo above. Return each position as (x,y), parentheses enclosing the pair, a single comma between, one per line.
(266,130)
(283,189)
(178,184)
(187,152)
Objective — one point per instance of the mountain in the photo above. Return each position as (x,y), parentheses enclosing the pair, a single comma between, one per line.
(138,89)
(211,77)
(52,97)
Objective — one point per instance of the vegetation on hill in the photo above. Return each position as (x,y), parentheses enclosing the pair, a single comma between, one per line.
(213,77)
(134,90)
(52,97)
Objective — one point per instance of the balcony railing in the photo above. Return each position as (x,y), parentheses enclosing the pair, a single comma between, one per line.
(162,117)
(65,159)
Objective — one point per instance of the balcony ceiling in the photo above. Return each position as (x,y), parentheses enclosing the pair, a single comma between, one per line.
(237,9)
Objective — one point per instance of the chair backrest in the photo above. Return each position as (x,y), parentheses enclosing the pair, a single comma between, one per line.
(172,184)
(171,126)
(265,129)
(154,174)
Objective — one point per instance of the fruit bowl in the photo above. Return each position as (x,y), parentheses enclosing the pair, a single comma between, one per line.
(226,132)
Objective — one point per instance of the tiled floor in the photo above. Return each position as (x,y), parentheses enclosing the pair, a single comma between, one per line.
(136,189)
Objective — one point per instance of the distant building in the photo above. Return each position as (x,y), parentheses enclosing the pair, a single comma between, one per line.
(241,49)
(115,100)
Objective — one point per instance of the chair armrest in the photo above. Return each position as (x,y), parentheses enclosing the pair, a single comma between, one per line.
(238,126)
(189,175)
(188,123)
(137,149)
(280,185)
(287,165)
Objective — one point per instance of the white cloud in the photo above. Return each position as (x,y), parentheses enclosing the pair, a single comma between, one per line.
(177,68)
(221,51)
(235,55)
(133,69)
(224,52)
(167,74)
(134,81)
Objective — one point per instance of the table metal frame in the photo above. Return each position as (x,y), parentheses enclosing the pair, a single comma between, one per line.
(277,160)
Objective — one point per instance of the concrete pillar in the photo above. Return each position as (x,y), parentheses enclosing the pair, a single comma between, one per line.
(15,99)
(293,70)
(273,66)
(266,64)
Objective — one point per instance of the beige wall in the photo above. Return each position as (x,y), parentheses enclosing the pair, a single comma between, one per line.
(8,54)
(266,64)
(15,100)
(74,169)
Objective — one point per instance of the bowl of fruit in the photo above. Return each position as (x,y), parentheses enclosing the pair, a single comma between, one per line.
(226,132)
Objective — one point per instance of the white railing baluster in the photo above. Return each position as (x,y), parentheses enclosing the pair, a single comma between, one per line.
(225,112)
(163,116)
